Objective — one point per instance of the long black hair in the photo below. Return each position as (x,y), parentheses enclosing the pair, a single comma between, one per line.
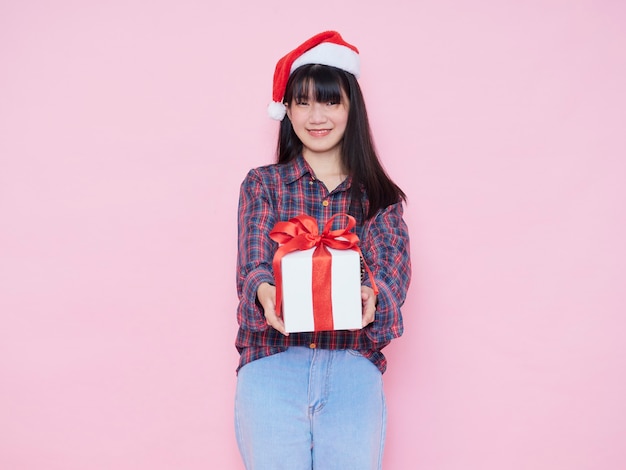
(358,154)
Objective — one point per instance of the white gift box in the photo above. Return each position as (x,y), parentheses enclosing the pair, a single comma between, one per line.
(345,289)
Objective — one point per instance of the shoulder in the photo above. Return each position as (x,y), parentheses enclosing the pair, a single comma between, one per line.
(262,174)
(262,171)
(273,175)
(392,210)
(389,218)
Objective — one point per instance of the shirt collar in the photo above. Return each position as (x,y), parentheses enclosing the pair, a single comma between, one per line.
(295,169)
(299,168)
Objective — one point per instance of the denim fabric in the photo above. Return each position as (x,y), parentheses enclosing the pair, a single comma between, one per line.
(309,408)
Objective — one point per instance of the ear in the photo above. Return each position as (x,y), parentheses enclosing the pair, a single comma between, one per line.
(288,111)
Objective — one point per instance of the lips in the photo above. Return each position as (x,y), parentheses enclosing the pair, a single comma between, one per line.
(318,132)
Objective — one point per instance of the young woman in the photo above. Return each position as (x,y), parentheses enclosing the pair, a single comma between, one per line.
(315,400)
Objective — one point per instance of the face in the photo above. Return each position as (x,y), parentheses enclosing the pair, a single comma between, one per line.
(319,126)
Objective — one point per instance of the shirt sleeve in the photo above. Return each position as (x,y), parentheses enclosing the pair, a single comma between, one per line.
(255,250)
(386,251)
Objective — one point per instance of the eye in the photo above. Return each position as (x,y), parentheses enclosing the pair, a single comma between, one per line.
(301,102)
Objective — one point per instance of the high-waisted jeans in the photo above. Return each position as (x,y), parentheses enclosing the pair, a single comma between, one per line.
(309,409)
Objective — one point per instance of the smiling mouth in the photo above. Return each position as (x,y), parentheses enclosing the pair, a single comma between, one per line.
(319,132)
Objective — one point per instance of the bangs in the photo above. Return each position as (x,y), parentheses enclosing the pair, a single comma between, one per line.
(317,82)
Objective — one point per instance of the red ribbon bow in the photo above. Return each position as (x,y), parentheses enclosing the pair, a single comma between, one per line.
(301,233)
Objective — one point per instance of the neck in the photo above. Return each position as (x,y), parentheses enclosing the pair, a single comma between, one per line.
(324,162)
(327,168)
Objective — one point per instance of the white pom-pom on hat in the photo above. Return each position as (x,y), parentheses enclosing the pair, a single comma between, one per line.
(277,110)
(327,48)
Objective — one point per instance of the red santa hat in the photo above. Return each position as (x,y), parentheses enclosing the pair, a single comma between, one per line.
(327,48)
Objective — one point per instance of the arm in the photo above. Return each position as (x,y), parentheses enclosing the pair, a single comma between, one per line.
(255,252)
(386,250)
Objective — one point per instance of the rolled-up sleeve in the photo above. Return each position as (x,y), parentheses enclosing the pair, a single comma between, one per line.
(386,250)
(255,250)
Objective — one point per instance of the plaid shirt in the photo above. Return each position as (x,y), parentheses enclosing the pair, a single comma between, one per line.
(279,192)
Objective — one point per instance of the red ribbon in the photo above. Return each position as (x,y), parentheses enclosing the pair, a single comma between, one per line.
(301,233)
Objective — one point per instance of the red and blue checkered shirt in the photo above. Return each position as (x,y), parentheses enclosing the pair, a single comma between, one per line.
(280,192)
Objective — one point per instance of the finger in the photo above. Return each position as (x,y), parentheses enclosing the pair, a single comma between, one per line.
(276,323)
(367,294)
(369,314)
(279,326)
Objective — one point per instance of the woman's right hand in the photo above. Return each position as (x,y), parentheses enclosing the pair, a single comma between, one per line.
(266,294)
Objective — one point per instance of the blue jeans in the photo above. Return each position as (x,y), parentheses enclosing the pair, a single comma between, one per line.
(309,409)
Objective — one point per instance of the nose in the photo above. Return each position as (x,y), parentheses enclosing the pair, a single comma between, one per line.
(317,113)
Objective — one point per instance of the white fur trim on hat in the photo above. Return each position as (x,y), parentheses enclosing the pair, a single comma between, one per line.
(331,54)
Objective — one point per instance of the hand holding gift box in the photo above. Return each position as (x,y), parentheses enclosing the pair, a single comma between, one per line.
(318,276)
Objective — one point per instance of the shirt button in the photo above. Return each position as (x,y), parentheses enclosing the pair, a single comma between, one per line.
(325,203)
(312,345)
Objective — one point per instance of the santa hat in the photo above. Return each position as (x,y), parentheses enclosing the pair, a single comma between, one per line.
(327,48)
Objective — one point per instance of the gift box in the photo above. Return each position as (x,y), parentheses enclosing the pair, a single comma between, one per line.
(318,276)
(342,291)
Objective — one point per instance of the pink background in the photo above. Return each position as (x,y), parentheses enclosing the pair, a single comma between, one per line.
(126,128)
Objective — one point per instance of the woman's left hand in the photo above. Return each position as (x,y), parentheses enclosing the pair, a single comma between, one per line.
(369,305)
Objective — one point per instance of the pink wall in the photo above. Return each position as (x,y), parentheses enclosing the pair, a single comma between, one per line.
(125,130)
